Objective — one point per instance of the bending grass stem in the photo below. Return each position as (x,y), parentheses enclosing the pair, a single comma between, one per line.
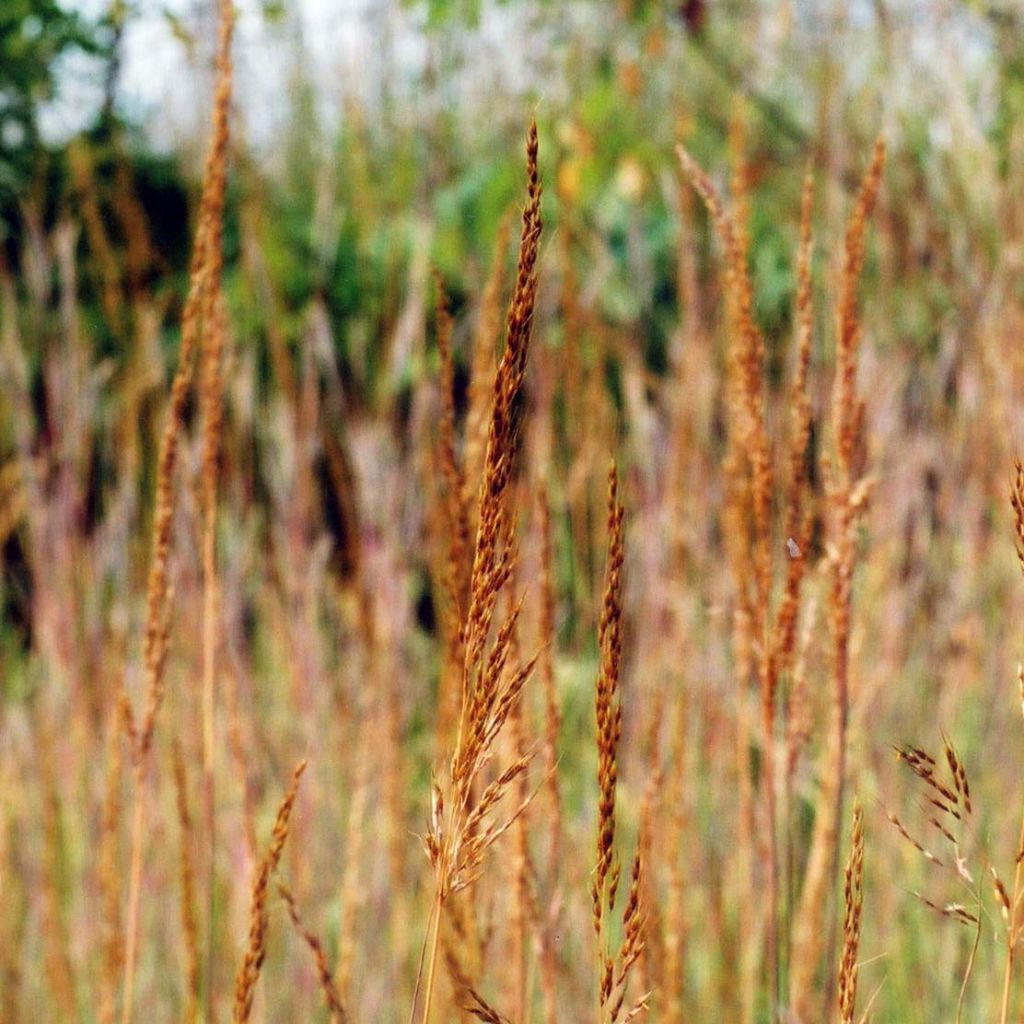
(432,965)
(134,894)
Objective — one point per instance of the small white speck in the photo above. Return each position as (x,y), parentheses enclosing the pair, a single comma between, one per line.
(793,548)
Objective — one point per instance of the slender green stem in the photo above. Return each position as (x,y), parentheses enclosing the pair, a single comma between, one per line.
(1006,983)
(970,965)
(432,963)
(134,893)
(1013,927)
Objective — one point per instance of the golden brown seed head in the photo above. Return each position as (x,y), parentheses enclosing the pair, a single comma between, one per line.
(252,964)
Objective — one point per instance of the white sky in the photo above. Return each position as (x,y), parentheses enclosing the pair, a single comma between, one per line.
(165,86)
(351,46)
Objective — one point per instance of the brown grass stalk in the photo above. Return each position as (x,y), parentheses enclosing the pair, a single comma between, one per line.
(332,995)
(60,974)
(131,217)
(157,623)
(651,967)
(758,644)
(455,525)
(613,969)
(608,710)
(749,482)
(853,892)
(485,339)
(548,968)
(236,749)
(189,926)
(352,881)
(523,914)
(456,505)
(467,997)
(464,825)
(674,913)
(211,386)
(259,920)
(80,165)
(12,921)
(847,494)
(1014,923)
(797,531)
(798,521)
(110,875)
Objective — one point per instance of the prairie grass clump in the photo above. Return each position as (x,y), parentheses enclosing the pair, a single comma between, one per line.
(765,626)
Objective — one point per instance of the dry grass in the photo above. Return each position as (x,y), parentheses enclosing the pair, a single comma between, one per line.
(402,586)
(613,968)
(259,917)
(465,823)
(853,895)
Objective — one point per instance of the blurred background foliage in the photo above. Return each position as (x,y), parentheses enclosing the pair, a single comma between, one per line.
(363,178)
(405,159)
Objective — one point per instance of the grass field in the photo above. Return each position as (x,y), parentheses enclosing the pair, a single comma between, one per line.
(565,570)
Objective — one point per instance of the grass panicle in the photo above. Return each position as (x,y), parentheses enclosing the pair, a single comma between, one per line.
(259,917)
(853,896)
(200,303)
(465,823)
